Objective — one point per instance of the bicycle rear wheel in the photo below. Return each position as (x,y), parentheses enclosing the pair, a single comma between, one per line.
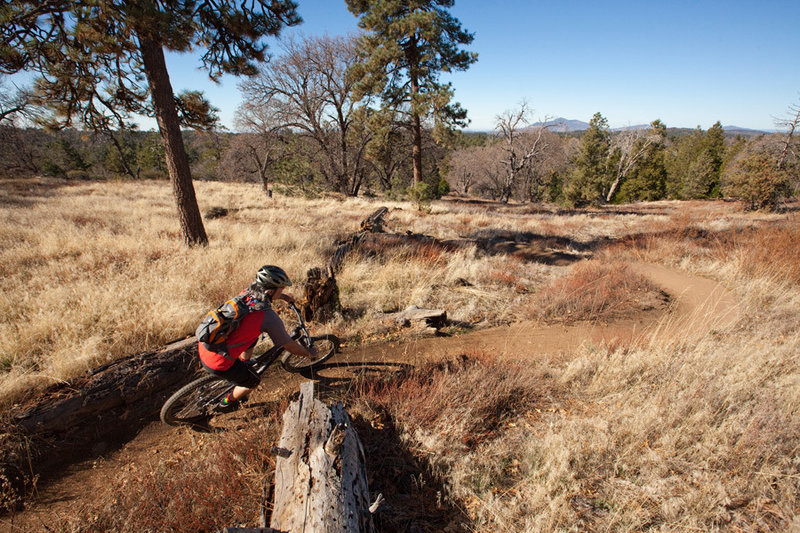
(326,346)
(194,401)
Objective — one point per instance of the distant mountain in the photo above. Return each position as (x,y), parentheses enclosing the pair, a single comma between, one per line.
(744,132)
(563,125)
(634,127)
(566,125)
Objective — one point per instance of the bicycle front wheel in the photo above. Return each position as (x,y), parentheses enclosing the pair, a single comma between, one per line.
(194,401)
(326,346)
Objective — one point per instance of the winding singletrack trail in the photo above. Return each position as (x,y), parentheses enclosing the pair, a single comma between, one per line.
(698,306)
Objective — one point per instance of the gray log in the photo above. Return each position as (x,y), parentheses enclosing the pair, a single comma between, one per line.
(322,485)
(435,318)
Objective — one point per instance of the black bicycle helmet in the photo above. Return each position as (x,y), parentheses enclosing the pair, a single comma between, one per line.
(272,277)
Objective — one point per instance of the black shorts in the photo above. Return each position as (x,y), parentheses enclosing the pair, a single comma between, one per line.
(239,374)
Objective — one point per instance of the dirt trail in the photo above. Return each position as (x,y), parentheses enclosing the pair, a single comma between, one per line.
(698,305)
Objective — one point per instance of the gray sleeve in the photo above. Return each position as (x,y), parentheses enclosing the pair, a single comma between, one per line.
(273,326)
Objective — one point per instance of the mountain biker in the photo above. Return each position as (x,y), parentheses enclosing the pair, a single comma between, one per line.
(267,287)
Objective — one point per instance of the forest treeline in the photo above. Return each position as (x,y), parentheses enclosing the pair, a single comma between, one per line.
(576,169)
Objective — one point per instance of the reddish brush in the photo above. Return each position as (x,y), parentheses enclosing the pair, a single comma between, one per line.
(593,290)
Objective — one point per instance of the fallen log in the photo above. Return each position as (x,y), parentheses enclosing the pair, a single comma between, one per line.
(84,417)
(435,318)
(372,224)
(320,472)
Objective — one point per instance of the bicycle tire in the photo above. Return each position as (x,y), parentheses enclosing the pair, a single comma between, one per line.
(194,401)
(326,345)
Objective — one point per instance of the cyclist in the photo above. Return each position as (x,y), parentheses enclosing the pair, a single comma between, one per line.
(267,287)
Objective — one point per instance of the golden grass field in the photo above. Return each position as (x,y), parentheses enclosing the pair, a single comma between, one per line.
(698,431)
(94,271)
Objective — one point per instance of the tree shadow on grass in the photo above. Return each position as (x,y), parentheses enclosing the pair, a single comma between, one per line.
(27,192)
(414,499)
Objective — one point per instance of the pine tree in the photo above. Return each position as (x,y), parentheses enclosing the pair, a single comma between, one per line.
(701,177)
(648,178)
(590,178)
(408,44)
(681,154)
(102,60)
(714,147)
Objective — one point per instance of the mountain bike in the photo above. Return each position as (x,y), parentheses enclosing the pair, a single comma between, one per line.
(195,401)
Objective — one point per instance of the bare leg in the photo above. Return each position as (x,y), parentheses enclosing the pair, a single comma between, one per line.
(240,393)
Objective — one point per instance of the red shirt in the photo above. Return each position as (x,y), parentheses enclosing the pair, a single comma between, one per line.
(245,336)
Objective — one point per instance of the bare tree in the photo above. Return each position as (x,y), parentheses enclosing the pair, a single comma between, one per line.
(463,170)
(15,103)
(792,124)
(519,150)
(307,91)
(484,166)
(551,161)
(260,146)
(630,146)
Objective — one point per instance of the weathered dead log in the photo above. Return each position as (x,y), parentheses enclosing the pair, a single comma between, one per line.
(83,417)
(379,243)
(371,224)
(435,318)
(322,485)
(321,295)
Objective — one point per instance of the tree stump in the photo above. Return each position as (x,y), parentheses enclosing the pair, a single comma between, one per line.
(320,473)
(374,222)
(321,295)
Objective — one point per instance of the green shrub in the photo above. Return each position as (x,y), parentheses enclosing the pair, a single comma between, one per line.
(421,194)
(50,168)
(755,179)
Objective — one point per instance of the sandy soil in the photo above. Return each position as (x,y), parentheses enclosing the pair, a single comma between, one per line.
(698,305)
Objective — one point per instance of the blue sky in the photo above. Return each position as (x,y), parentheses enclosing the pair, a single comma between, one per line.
(689,63)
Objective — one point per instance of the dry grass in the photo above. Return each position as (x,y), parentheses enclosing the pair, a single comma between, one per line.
(699,433)
(96,271)
(696,434)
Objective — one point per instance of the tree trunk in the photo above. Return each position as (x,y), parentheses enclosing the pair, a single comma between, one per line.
(416,148)
(155,69)
(320,473)
(416,127)
(613,188)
